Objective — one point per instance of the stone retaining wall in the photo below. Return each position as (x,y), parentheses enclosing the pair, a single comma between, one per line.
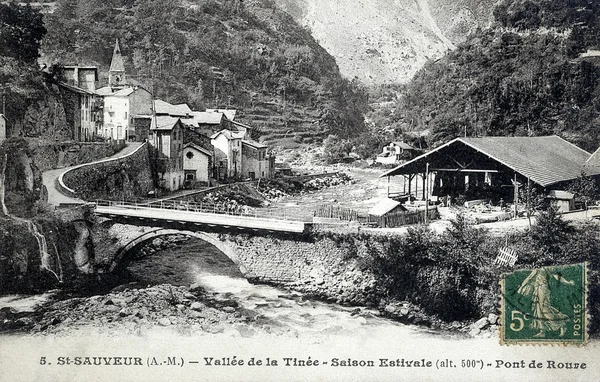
(51,155)
(125,178)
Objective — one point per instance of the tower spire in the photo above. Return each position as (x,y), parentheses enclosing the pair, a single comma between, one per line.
(116,73)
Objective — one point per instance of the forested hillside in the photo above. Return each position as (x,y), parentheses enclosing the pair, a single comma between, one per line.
(522,76)
(246,55)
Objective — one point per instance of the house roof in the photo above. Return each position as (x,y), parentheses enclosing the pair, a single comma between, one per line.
(163,122)
(561,195)
(114,92)
(545,160)
(228,134)
(204,118)
(75,89)
(384,206)
(254,144)
(229,113)
(403,145)
(116,64)
(180,110)
(198,148)
(3,116)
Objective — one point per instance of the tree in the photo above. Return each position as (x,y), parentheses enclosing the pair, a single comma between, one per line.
(21,31)
(585,189)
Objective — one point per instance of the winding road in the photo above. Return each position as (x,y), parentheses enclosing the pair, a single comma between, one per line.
(50,178)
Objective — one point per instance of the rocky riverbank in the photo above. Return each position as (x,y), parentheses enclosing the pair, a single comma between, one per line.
(132,310)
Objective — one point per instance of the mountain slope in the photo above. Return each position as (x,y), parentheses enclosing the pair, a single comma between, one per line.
(238,54)
(387,41)
(523,76)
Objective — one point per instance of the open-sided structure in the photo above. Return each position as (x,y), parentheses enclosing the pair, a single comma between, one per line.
(493,167)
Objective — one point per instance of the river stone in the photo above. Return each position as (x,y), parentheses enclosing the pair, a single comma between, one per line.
(229,309)
(481,323)
(125,312)
(164,321)
(197,306)
(195,314)
(492,318)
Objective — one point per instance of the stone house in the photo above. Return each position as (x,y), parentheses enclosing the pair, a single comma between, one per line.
(167,136)
(228,153)
(255,161)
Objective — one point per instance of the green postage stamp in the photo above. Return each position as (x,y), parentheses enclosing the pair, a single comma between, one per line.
(544,305)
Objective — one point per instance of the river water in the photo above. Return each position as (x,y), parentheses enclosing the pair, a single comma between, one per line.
(199,262)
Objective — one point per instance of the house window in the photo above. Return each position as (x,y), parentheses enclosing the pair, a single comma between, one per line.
(251,175)
(189,155)
(125,116)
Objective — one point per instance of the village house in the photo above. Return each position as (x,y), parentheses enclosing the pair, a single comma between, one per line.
(197,165)
(82,104)
(122,101)
(494,169)
(396,152)
(228,150)
(167,136)
(255,161)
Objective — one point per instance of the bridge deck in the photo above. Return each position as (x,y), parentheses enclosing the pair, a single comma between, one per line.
(182,216)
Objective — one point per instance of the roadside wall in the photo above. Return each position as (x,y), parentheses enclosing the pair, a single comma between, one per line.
(50,155)
(121,178)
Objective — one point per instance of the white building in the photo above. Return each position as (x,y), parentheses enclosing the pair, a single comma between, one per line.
(120,107)
(122,101)
(196,164)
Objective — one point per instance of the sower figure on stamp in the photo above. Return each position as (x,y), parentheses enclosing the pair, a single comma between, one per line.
(544,315)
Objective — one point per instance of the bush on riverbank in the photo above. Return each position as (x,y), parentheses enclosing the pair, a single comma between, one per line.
(453,275)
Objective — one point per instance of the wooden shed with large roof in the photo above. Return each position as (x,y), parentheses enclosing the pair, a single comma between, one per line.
(490,167)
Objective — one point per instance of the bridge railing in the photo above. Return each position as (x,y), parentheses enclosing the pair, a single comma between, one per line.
(211,208)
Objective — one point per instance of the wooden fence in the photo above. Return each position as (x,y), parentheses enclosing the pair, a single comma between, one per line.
(337,212)
(399,219)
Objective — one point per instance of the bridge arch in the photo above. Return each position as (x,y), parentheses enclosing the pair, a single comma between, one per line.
(230,250)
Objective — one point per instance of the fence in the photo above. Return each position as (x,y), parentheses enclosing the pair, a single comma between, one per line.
(337,212)
(219,208)
(404,218)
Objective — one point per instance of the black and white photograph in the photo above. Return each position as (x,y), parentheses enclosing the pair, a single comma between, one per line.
(300,190)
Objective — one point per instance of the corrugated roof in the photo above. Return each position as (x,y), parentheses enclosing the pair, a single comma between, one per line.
(117,65)
(545,160)
(163,122)
(384,206)
(164,107)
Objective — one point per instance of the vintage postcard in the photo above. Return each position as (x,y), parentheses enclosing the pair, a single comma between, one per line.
(299,190)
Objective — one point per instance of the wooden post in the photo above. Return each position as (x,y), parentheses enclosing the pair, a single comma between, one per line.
(409,186)
(423,181)
(516,195)
(426,191)
(404,184)
(388,187)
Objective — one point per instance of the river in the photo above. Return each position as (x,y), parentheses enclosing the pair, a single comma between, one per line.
(198,262)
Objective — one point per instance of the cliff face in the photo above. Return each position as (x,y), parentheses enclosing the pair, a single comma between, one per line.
(388,41)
